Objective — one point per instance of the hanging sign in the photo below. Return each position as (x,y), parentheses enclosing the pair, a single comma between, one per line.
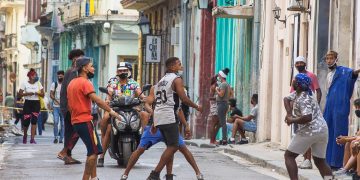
(153,49)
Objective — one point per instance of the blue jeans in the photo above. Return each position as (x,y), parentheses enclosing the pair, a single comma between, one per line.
(43,115)
(58,116)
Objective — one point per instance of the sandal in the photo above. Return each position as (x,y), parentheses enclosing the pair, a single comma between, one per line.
(69,160)
(59,156)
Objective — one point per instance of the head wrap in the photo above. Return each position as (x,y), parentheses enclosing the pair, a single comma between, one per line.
(32,72)
(303,82)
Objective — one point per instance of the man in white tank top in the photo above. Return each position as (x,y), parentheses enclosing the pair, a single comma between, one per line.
(166,95)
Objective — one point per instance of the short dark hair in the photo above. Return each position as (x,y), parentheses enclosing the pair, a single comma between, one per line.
(254,97)
(171,61)
(357,102)
(75,53)
(232,102)
(60,72)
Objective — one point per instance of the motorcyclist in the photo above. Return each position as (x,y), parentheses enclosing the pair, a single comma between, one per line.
(120,85)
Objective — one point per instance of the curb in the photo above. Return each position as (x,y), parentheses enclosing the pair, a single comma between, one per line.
(190,143)
(261,162)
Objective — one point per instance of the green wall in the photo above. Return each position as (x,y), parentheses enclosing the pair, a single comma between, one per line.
(233,50)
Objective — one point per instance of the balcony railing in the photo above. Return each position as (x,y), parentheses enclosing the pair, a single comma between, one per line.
(137,4)
(10,41)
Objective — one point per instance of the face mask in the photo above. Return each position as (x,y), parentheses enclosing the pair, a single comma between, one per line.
(357,112)
(60,79)
(90,75)
(300,68)
(180,73)
(123,75)
(36,79)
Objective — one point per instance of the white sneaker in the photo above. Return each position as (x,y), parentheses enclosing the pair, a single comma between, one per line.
(306,164)
(340,172)
(124,177)
(200,176)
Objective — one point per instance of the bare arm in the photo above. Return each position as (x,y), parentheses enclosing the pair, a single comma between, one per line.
(318,95)
(183,121)
(301,120)
(179,89)
(103,105)
(220,92)
(52,96)
(22,93)
(41,93)
(247,118)
(288,107)
(149,101)
(138,92)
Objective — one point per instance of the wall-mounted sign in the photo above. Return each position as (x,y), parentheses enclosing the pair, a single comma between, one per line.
(153,49)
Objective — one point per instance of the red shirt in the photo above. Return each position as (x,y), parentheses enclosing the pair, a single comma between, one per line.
(314,82)
(78,100)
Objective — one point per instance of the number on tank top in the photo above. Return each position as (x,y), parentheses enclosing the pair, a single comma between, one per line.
(161,97)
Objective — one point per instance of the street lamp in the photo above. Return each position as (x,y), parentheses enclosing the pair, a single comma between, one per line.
(144,24)
(107,25)
(298,5)
(276,12)
(44,42)
(203,4)
(36,47)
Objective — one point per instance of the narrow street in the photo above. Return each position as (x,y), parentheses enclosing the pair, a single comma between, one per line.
(39,162)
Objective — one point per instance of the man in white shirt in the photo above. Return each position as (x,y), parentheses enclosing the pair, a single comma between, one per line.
(55,96)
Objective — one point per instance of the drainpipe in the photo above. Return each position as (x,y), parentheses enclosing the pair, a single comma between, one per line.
(255,47)
(184,40)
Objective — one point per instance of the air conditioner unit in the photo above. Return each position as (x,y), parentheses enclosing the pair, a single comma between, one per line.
(175,36)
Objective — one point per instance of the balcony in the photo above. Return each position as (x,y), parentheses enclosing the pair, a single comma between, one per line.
(139,4)
(5,4)
(10,41)
(239,12)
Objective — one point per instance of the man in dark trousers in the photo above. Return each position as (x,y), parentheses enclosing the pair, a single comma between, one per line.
(71,137)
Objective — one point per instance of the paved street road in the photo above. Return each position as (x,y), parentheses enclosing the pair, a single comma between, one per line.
(39,162)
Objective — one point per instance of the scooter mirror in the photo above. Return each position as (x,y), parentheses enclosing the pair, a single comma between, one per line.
(146,87)
(103,90)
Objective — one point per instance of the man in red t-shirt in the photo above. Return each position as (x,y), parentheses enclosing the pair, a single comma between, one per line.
(300,65)
(80,94)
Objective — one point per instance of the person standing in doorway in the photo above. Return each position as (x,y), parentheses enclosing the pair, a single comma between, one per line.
(222,98)
(340,83)
(58,117)
(31,91)
(300,65)
(70,136)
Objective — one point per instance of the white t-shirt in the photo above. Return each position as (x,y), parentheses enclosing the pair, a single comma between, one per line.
(57,93)
(31,88)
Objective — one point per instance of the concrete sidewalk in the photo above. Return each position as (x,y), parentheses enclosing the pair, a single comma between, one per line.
(266,154)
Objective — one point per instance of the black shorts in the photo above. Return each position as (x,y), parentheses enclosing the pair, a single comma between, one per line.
(170,132)
(31,112)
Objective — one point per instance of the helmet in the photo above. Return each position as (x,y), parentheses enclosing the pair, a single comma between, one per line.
(129,66)
(125,65)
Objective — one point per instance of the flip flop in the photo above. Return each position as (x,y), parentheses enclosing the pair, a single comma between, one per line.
(69,161)
(61,157)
